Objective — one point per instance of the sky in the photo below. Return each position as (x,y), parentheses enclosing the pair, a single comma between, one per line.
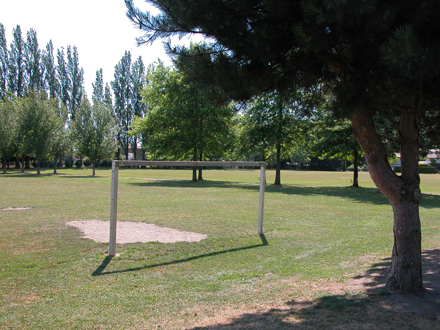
(98,28)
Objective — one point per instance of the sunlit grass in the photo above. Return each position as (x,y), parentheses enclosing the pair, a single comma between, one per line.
(315,229)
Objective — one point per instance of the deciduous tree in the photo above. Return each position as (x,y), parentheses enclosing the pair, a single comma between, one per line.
(94,131)
(182,122)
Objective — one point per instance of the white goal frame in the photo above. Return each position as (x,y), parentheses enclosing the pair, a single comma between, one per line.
(116,164)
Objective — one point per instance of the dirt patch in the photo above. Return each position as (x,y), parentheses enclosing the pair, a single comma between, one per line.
(133,232)
(15,208)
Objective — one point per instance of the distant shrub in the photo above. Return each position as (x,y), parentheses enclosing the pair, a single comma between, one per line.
(364,168)
(422,169)
(105,163)
(68,162)
(78,163)
(87,162)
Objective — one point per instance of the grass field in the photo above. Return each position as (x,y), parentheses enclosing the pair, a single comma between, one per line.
(321,237)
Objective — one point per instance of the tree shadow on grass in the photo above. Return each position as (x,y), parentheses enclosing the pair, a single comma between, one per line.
(367,306)
(101,268)
(362,195)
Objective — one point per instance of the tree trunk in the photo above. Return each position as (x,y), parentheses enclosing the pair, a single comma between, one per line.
(22,165)
(278,168)
(403,192)
(194,177)
(55,164)
(200,178)
(38,165)
(4,165)
(356,169)
(17,163)
(94,162)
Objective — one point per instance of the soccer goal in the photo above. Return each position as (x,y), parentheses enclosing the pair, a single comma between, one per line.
(116,164)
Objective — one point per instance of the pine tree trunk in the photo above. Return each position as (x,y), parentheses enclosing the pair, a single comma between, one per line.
(406,265)
(356,168)
(403,192)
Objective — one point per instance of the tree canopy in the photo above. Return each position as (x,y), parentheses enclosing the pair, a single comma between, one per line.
(182,122)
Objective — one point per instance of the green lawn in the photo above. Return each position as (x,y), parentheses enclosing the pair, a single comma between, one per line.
(316,231)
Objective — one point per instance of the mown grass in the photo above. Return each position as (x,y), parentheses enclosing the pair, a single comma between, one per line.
(315,229)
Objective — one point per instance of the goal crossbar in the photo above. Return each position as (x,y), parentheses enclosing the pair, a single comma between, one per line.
(116,164)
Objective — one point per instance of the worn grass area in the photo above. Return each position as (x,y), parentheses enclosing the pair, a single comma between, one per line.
(320,251)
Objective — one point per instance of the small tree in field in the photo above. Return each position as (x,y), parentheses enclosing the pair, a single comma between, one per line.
(38,123)
(94,131)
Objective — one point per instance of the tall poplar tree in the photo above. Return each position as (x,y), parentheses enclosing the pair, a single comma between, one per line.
(137,82)
(63,78)
(123,107)
(98,87)
(108,98)
(17,64)
(50,79)
(379,57)
(33,62)
(76,76)
(4,60)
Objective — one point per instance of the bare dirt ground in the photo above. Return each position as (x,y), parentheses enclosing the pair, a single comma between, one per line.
(15,209)
(132,232)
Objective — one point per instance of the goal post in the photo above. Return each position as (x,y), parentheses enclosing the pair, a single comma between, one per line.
(116,164)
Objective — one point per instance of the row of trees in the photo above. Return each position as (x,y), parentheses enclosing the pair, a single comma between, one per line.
(35,126)
(28,74)
(184,121)
(24,67)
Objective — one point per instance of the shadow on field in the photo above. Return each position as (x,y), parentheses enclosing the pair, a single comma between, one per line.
(363,195)
(100,270)
(357,194)
(371,306)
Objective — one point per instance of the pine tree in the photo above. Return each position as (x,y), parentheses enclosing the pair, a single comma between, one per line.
(17,64)
(33,62)
(50,71)
(4,60)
